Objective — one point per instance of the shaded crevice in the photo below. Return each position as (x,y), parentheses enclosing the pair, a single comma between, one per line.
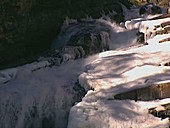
(149,93)
(164,64)
(162,111)
(79,92)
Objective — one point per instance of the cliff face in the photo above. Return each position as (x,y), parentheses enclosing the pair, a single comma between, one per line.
(27,27)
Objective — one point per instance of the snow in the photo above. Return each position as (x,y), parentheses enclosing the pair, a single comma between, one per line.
(119,71)
(134,23)
(105,113)
(150,24)
(10,74)
(102,76)
(158,38)
(143,22)
(134,65)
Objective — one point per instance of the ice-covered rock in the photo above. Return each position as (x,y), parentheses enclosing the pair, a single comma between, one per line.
(150,9)
(11,73)
(158,39)
(115,72)
(39,96)
(113,114)
(95,35)
(7,75)
(149,26)
(134,23)
(136,63)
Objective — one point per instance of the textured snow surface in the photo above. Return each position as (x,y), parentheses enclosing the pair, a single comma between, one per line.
(158,38)
(36,96)
(150,24)
(142,22)
(115,72)
(105,113)
(127,67)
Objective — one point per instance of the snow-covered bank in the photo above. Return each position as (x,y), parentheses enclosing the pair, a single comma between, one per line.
(133,65)
(115,72)
(105,113)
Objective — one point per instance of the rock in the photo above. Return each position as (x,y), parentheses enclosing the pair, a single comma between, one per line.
(152,92)
(165,24)
(67,53)
(153,27)
(161,17)
(158,38)
(162,111)
(150,9)
(75,52)
(164,40)
(114,73)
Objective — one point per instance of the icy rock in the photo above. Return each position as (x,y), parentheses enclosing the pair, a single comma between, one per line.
(134,23)
(7,75)
(40,98)
(150,9)
(59,56)
(158,39)
(112,114)
(138,63)
(10,74)
(131,14)
(149,26)
(73,51)
(28,68)
(115,72)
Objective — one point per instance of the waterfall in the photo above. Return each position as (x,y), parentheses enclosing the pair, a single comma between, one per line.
(41,98)
(40,95)
(90,33)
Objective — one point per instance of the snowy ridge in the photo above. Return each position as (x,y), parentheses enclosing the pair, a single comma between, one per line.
(115,72)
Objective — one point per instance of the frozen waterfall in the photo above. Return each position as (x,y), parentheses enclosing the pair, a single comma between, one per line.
(40,95)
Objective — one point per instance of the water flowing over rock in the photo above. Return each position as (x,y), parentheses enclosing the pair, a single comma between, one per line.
(94,35)
(37,95)
(137,73)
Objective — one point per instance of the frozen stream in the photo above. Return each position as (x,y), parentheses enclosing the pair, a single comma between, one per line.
(40,95)
(43,98)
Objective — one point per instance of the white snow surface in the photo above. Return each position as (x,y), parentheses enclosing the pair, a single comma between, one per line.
(143,22)
(116,72)
(150,24)
(158,38)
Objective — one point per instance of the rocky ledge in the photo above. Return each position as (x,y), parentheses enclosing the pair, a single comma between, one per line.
(111,76)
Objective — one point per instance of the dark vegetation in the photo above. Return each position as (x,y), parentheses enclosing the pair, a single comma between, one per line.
(28,27)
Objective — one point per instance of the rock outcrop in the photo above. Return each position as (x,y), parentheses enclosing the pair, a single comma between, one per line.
(136,73)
